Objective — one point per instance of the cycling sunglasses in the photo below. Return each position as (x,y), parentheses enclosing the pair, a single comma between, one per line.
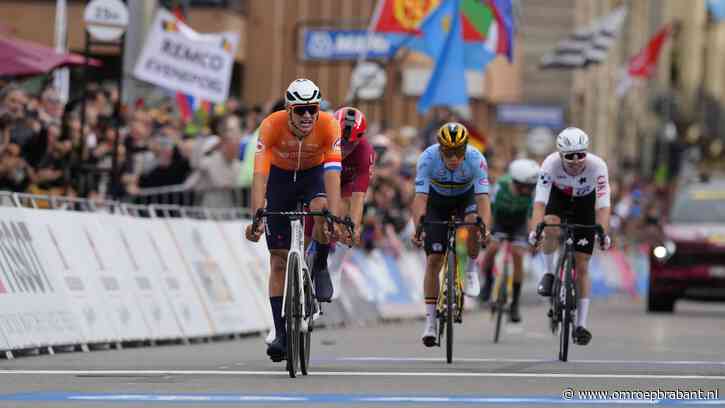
(311,109)
(575,156)
(457,152)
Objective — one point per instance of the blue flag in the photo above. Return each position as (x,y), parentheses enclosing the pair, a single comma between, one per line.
(443,36)
(717,9)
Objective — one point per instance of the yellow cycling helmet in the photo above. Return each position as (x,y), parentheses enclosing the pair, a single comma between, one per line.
(452,135)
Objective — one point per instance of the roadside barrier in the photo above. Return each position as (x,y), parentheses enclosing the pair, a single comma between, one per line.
(84,273)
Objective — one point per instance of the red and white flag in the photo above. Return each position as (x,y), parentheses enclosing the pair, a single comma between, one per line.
(642,65)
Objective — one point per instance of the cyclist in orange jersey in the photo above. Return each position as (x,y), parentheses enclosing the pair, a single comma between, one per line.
(298,158)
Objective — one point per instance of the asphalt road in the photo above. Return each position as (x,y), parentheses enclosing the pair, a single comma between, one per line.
(386,365)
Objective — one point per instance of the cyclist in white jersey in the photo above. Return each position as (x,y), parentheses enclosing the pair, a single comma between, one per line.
(573,185)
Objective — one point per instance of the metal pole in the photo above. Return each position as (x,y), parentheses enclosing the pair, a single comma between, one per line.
(115,179)
(78,160)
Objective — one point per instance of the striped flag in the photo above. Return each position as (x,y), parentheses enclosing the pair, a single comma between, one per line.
(586,46)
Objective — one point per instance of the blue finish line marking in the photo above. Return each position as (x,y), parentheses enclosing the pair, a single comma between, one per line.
(325,399)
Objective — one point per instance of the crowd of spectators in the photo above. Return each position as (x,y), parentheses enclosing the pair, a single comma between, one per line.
(208,162)
(47,148)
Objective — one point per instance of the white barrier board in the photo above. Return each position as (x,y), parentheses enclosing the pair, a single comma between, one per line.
(33,308)
(134,257)
(219,297)
(233,307)
(185,297)
(244,266)
(253,259)
(117,285)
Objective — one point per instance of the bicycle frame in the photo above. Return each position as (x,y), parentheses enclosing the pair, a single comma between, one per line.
(564,293)
(502,293)
(449,281)
(505,275)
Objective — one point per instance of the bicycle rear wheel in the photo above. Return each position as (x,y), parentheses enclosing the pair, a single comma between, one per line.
(306,337)
(501,300)
(566,310)
(451,274)
(292,314)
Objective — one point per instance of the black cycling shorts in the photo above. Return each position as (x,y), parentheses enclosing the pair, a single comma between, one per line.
(518,232)
(440,208)
(283,194)
(575,210)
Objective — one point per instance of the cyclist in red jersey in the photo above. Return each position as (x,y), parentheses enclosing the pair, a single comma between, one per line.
(358,159)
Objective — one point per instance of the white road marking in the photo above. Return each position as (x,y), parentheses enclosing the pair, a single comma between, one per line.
(528,360)
(362,374)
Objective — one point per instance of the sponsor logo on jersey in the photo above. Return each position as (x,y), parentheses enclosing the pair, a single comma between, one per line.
(437,246)
(545,178)
(583,242)
(582,180)
(418,182)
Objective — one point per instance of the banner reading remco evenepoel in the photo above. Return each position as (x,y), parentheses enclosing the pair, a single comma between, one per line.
(178,58)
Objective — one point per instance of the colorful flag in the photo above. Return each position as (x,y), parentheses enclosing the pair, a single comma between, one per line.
(642,65)
(443,35)
(487,27)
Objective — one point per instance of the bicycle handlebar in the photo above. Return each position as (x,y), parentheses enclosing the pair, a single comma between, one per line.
(596,227)
(329,218)
(451,224)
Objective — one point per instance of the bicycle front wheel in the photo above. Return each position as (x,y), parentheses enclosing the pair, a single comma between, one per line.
(501,300)
(451,274)
(293,314)
(306,337)
(566,310)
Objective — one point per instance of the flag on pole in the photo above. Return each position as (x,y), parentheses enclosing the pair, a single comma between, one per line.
(586,46)
(642,65)
(444,38)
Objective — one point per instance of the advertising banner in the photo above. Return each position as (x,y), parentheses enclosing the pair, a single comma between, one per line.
(135,257)
(117,286)
(252,268)
(61,247)
(221,298)
(181,290)
(33,307)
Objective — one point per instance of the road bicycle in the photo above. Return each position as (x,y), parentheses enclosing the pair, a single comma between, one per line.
(502,293)
(563,291)
(449,309)
(299,304)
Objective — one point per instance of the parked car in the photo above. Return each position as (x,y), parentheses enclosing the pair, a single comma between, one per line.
(689,261)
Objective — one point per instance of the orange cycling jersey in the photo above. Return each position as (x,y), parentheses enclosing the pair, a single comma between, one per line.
(278,146)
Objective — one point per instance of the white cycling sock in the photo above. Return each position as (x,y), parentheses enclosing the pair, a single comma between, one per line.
(472,266)
(582,312)
(549,259)
(430,312)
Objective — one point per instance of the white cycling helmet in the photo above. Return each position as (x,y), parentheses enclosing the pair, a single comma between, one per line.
(572,139)
(524,171)
(302,92)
